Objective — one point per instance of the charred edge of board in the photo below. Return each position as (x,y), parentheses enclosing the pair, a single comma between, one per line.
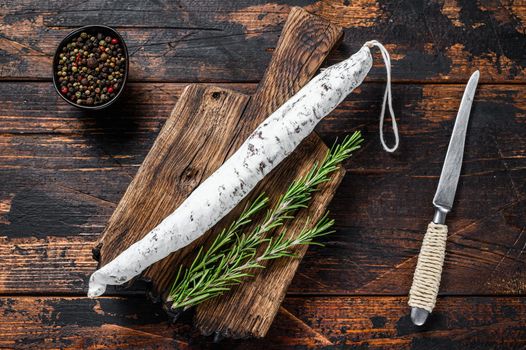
(95,253)
(173,314)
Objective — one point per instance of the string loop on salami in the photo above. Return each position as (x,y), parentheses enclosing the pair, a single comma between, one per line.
(388,98)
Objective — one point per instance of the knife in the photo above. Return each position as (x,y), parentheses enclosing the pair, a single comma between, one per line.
(426,279)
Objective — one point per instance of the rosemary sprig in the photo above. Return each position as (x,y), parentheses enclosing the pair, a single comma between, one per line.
(280,246)
(232,254)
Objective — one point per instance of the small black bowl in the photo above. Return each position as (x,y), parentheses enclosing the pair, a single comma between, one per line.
(94,30)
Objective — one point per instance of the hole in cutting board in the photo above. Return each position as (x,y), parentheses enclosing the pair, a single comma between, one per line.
(216,95)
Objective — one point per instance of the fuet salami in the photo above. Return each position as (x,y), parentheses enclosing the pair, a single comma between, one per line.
(270,143)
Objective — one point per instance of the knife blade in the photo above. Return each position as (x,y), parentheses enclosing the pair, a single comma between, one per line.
(426,280)
(447,185)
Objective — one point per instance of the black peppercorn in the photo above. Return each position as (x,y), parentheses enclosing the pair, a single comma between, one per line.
(90,69)
(91,62)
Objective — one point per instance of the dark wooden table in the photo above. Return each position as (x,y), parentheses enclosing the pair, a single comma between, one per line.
(62,171)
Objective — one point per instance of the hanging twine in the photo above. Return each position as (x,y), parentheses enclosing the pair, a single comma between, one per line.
(426,281)
(388,98)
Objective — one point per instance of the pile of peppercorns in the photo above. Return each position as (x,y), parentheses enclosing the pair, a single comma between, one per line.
(90,69)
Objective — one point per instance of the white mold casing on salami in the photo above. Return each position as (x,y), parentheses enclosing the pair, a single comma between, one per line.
(271,142)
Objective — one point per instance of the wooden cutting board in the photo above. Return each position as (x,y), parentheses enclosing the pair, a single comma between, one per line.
(206,126)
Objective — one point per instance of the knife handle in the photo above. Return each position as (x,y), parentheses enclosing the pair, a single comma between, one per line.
(426,280)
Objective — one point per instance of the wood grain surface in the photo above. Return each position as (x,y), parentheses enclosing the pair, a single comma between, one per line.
(205,128)
(358,322)
(62,172)
(214,40)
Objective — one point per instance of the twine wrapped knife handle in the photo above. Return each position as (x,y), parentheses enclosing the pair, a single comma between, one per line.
(426,280)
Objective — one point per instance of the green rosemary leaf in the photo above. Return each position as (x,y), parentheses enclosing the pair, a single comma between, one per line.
(232,255)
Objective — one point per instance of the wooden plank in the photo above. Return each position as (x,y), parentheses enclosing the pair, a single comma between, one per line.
(173,163)
(339,322)
(77,178)
(384,323)
(348,264)
(33,265)
(81,323)
(211,41)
